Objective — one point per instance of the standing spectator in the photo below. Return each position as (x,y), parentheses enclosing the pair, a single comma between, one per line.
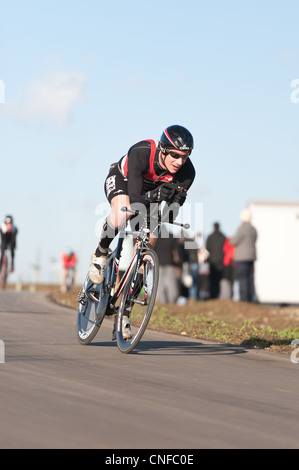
(214,245)
(192,251)
(166,248)
(185,279)
(245,256)
(203,269)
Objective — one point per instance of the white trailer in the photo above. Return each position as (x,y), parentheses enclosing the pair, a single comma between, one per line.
(277,265)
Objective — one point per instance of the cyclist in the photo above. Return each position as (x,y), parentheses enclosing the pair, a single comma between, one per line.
(69,261)
(8,239)
(151,172)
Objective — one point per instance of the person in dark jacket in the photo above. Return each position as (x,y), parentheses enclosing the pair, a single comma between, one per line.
(245,256)
(166,248)
(214,245)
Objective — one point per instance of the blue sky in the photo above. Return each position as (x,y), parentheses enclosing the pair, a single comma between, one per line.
(86,80)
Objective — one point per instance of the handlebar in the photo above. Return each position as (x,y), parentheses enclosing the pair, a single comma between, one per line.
(126,209)
(159,218)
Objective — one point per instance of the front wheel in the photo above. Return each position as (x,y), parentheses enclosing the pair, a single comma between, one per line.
(87,323)
(137,304)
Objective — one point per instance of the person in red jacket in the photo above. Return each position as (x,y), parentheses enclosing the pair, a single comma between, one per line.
(69,261)
(227,281)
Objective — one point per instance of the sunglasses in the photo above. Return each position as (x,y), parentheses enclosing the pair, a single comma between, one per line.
(177,156)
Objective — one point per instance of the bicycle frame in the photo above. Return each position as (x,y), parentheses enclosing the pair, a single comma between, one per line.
(141,245)
(107,289)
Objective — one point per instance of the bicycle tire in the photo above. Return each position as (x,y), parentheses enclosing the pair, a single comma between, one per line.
(87,323)
(145,290)
(4,271)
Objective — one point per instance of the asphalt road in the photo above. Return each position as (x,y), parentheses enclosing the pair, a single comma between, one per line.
(172,392)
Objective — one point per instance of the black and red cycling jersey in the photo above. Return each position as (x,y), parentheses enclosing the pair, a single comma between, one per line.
(8,241)
(8,237)
(141,168)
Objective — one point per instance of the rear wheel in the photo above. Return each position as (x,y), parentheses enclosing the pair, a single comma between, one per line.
(4,271)
(137,304)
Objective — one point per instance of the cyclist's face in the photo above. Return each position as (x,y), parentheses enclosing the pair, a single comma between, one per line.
(8,226)
(174,160)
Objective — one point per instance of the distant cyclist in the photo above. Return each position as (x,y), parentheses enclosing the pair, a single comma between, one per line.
(69,261)
(151,172)
(8,233)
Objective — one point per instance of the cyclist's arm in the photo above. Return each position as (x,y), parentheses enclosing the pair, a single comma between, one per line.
(14,238)
(138,165)
(185,176)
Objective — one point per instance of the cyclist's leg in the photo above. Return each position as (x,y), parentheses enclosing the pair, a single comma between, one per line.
(116,191)
(115,220)
(113,223)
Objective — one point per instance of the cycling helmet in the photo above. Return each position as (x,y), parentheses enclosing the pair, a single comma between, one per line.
(8,219)
(177,138)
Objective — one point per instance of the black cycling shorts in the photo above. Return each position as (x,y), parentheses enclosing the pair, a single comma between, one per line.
(115,183)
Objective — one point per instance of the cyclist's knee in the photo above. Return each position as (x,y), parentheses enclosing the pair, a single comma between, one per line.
(118,218)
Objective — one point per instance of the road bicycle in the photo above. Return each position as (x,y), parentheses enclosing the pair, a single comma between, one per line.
(5,268)
(136,291)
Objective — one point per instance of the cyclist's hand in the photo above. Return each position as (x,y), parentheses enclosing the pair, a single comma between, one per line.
(180,196)
(165,192)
